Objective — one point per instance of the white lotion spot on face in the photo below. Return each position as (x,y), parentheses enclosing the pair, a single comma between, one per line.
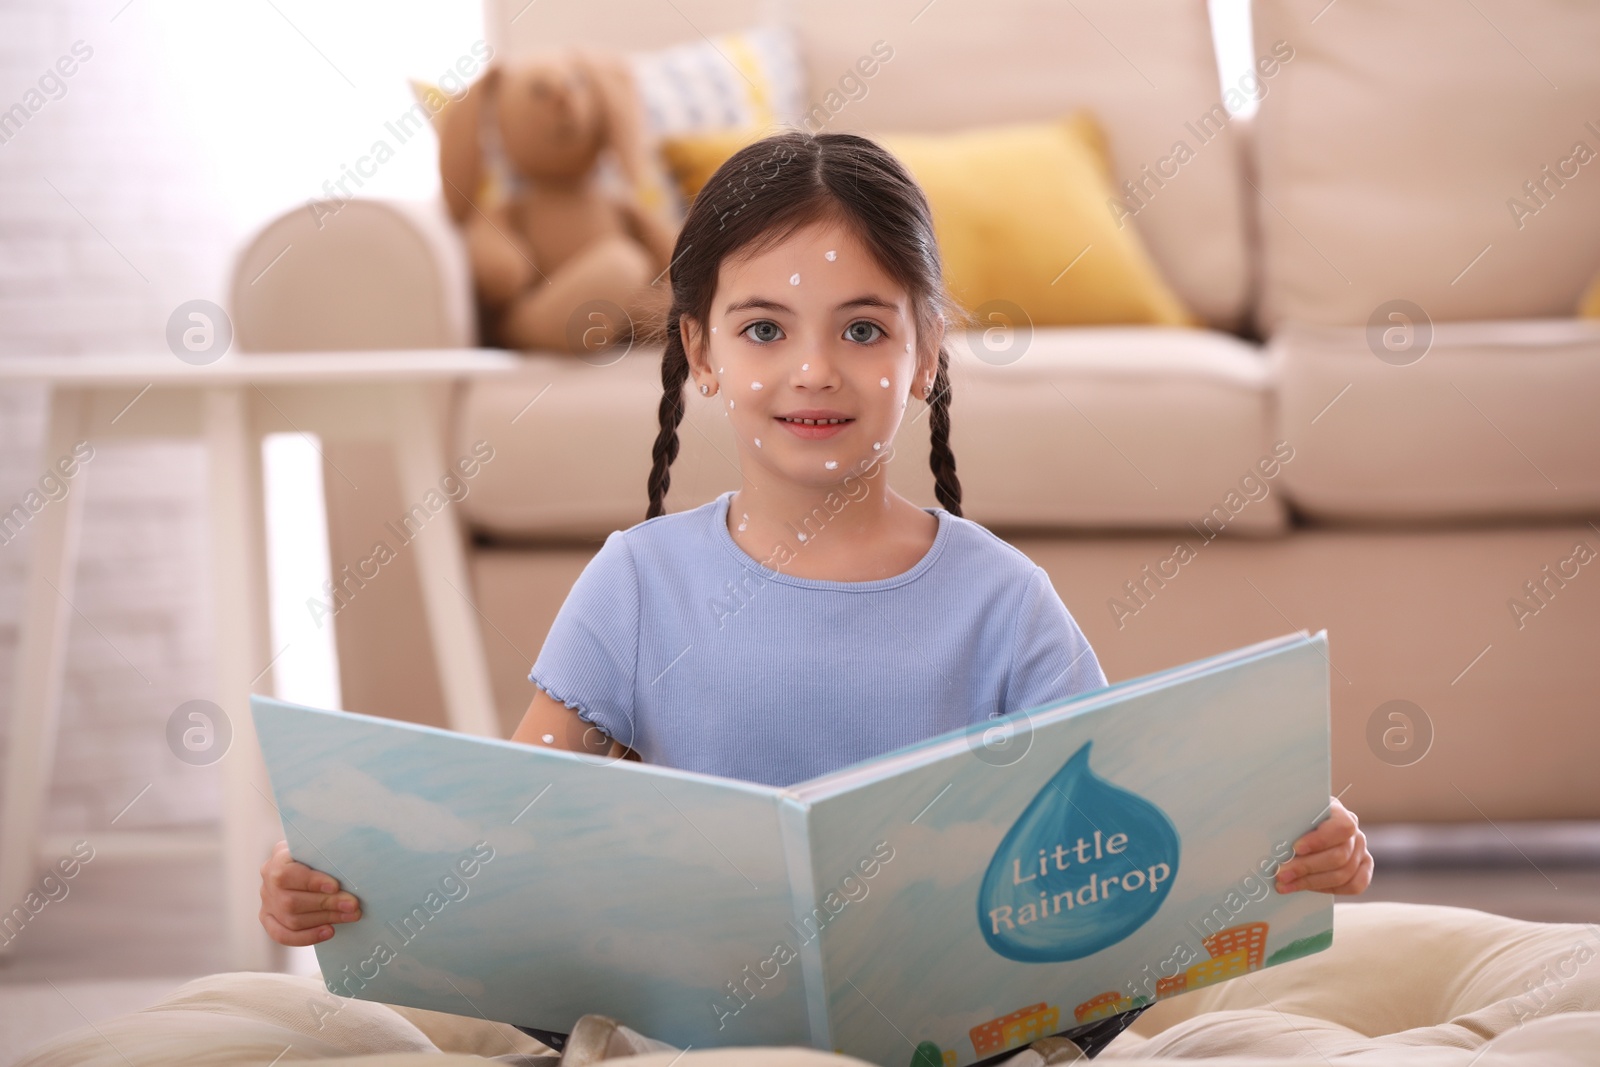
(831,464)
(548,739)
(884,382)
(758,442)
(730,401)
(877,445)
(794,279)
(908,343)
(713,329)
(805,366)
(801,536)
(746,521)
(830,255)
(755,385)
(721,369)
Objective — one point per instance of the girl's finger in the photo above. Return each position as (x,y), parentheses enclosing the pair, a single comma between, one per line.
(1340,825)
(298,938)
(306,920)
(299,901)
(1317,862)
(302,911)
(295,875)
(1362,879)
(1328,880)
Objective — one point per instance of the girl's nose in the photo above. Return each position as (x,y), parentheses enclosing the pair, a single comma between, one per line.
(815,371)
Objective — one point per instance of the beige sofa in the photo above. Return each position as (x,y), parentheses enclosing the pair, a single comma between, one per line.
(1422,498)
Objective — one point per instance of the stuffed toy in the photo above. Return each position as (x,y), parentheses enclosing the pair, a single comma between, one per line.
(562,260)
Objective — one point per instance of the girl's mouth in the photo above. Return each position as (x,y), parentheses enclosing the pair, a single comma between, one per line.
(814,429)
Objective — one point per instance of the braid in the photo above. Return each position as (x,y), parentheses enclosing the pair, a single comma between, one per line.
(674,372)
(945,484)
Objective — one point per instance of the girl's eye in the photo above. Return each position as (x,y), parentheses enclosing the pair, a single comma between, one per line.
(861,332)
(765,331)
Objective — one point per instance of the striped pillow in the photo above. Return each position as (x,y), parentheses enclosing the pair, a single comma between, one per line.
(745,80)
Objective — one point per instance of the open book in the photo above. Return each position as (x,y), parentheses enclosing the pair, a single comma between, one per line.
(944,903)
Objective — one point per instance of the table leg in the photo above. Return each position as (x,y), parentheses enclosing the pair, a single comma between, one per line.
(243,658)
(41,659)
(442,568)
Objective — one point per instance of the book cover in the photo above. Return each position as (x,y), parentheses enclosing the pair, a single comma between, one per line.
(946,903)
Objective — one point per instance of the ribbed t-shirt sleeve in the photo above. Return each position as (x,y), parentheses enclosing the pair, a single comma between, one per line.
(1051,659)
(588,659)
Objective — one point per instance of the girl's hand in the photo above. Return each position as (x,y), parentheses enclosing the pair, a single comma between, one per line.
(1332,858)
(299,905)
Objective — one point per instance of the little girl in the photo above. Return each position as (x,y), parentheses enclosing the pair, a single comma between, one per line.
(814,617)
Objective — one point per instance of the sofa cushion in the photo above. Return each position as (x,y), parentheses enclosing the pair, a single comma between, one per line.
(1143,67)
(1142,427)
(1493,419)
(1396,146)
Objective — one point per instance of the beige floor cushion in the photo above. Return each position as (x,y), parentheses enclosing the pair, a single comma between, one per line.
(1403,984)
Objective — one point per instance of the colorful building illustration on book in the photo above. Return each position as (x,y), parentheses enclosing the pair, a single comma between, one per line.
(1231,952)
(1021,1027)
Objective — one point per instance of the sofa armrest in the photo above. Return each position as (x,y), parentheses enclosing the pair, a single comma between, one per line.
(364,274)
(367,273)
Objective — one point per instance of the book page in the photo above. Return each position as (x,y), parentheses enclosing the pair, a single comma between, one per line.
(1112,857)
(533,886)
(943,745)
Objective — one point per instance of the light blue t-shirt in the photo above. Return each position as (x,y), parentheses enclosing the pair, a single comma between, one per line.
(679,644)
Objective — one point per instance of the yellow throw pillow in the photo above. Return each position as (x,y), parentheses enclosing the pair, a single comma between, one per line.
(1020,213)
(1589,305)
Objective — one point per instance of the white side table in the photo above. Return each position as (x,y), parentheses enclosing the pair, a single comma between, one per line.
(231,404)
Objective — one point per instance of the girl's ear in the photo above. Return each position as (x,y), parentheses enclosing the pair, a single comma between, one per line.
(693,340)
(928,349)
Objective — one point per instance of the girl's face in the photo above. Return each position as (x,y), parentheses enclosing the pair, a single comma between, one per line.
(811,329)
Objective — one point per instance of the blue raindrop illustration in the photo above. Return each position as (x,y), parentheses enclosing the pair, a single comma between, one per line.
(1085,865)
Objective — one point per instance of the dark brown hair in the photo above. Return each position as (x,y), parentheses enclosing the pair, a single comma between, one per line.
(761,195)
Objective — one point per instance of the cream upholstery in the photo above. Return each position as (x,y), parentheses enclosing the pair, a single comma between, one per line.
(329,296)
(1390,146)
(1403,985)
(1498,419)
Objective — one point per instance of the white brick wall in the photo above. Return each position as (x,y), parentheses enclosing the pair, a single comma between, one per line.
(190,125)
(109,147)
